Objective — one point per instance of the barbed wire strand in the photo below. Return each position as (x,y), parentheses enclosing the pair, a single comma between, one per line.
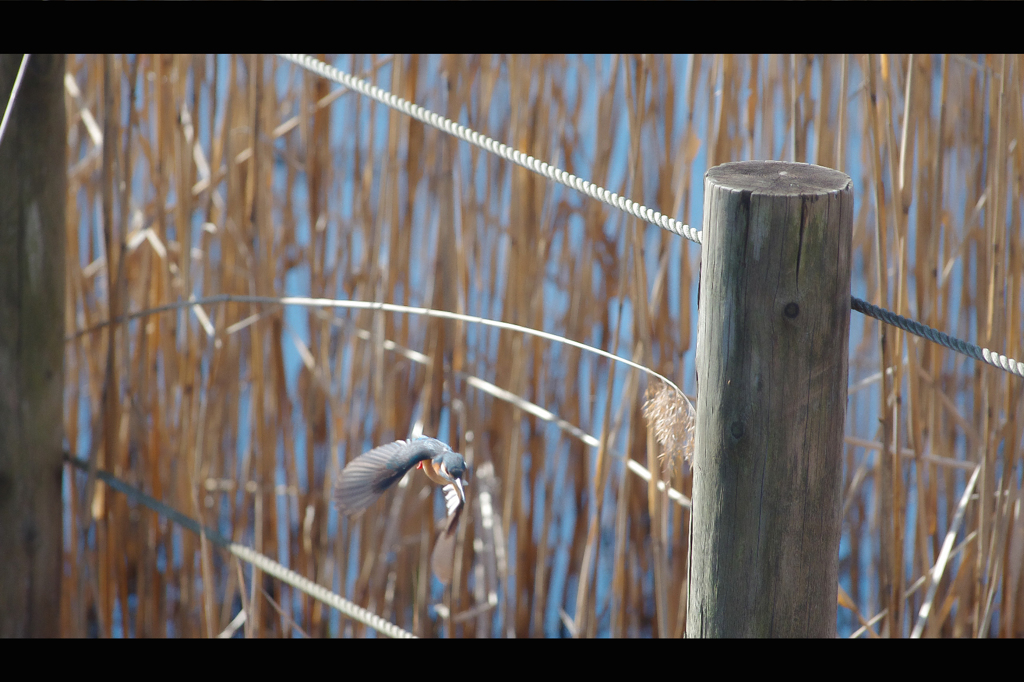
(634,208)
(260,561)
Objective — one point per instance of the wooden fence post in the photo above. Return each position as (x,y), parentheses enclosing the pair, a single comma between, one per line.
(772,339)
(33,185)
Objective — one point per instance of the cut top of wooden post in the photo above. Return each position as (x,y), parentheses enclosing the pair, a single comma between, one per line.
(778,178)
(772,343)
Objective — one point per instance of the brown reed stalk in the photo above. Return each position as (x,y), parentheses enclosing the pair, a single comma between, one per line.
(196,175)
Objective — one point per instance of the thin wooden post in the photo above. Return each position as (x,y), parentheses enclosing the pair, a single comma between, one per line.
(774,320)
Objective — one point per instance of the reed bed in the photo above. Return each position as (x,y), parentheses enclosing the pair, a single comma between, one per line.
(193,176)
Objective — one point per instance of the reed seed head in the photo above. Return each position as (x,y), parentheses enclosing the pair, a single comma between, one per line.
(673,418)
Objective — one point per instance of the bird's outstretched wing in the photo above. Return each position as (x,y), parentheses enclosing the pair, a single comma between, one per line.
(363,480)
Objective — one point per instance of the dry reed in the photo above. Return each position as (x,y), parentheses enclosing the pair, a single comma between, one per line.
(197,176)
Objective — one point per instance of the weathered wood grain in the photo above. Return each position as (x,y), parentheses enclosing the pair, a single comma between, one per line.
(33,182)
(774,317)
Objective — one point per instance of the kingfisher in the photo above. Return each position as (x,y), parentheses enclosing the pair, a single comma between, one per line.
(367,476)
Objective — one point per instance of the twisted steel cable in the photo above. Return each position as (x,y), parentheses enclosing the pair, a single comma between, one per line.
(924,331)
(639,210)
(504,151)
(263,562)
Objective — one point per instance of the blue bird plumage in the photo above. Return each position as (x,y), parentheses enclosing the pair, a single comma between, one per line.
(366,477)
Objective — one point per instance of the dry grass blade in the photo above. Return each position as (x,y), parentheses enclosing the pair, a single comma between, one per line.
(940,563)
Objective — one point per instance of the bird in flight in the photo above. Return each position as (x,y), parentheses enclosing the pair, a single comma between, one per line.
(367,476)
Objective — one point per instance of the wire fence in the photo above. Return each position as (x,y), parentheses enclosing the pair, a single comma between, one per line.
(257,560)
(622,203)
